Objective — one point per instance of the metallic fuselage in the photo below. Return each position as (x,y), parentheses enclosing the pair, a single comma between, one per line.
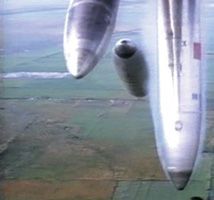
(180,87)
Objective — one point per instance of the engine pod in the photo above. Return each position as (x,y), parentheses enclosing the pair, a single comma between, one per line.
(131,67)
(88,28)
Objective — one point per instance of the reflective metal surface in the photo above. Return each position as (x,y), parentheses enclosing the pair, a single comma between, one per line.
(88,28)
(131,67)
(180,88)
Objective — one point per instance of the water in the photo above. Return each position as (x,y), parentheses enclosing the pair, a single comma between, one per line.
(35,75)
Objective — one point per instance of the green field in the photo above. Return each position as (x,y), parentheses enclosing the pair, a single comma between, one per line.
(64,145)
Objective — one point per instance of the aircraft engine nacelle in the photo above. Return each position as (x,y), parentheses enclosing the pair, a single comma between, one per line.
(131,67)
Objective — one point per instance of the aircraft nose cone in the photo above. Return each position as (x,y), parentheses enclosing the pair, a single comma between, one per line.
(81,63)
(180,179)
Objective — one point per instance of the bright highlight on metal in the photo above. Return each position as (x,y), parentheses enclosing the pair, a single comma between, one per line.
(88,28)
(180,88)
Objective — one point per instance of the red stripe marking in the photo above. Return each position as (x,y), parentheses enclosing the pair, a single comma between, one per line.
(197,50)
